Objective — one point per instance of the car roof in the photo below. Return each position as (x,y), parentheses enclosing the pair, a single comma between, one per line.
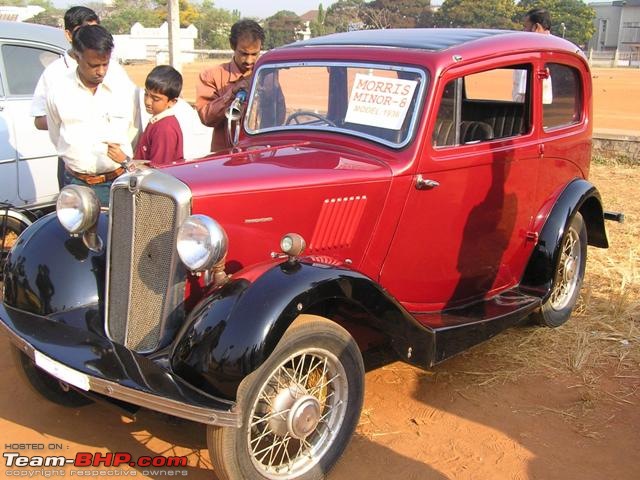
(438,48)
(432,39)
(32,32)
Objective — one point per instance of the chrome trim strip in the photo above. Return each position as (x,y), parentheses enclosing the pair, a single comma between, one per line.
(143,399)
(420,97)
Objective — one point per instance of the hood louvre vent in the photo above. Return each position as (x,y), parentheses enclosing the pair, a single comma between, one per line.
(338,222)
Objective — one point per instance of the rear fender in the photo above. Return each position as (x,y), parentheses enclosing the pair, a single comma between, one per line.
(578,196)
(231,333)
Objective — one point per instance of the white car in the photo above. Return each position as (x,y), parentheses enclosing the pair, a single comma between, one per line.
(28,160)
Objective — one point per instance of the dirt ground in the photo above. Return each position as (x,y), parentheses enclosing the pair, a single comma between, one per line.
(532,403)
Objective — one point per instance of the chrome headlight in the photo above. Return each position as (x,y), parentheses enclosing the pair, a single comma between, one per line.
(78,208)
(201,243)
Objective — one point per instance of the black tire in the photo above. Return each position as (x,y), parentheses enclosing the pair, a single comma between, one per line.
(328,396)
(568,276)
(46,385)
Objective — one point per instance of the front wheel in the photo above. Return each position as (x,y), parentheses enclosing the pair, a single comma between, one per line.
(299,409)
(568,275)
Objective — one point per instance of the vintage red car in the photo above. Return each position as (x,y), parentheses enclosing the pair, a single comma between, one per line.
(423,189)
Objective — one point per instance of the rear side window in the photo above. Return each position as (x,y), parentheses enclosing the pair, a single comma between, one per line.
(23,66)
(484,106)
(563,102)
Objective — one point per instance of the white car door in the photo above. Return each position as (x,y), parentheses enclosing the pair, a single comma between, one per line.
(36,167)
(8,157)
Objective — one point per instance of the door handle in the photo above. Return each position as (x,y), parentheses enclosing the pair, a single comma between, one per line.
(425,183)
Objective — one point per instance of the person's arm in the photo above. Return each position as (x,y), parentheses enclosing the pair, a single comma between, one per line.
(39,104)
(212,102)
(52,119)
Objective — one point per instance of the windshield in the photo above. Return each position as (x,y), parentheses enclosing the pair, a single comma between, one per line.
(372,101)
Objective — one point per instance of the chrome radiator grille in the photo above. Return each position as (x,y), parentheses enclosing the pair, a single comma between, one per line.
(145,283)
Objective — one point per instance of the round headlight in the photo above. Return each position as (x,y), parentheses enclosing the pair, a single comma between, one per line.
(77,208)
(202,243)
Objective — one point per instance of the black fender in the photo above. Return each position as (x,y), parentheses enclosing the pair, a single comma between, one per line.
(48,271)
(578,196)
(231,333)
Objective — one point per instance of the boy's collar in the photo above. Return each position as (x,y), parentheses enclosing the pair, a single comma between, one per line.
(167,113)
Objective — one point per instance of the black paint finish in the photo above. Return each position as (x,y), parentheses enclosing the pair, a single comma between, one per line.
(49,272)
(579,195)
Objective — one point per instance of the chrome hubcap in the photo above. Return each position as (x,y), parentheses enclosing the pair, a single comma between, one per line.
(303,417)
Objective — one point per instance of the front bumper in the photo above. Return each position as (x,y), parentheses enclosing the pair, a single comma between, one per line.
(92,362)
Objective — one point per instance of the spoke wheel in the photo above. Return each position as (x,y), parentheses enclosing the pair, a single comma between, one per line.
(299,408)
(568,275)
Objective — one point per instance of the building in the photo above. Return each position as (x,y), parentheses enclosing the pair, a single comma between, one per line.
(617,27)
(19,14)
(153,44)
(306,19)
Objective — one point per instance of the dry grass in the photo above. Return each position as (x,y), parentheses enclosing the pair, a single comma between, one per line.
(598,350)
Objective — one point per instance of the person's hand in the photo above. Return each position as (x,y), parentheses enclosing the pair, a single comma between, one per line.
(115,153)
(242,84)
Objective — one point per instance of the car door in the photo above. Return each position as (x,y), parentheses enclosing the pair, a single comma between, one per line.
(464,231)
(33,152)
(8,156)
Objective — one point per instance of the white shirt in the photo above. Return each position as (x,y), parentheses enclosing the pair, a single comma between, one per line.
(82,122)
(55,70)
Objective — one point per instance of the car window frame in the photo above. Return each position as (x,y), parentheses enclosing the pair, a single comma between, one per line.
(4,79)
(420,95)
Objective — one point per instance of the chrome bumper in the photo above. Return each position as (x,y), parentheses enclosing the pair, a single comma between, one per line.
(92,362)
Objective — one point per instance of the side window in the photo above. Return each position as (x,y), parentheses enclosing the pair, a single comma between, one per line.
(562,96)
(24,65)
(484,106)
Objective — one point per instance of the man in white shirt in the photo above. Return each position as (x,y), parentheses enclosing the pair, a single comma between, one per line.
(92,114)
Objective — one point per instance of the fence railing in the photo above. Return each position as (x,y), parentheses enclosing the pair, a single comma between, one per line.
(614,58)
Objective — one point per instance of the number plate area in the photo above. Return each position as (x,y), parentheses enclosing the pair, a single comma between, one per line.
(62,372)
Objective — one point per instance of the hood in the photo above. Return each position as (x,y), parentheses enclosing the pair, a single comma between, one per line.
(272,167)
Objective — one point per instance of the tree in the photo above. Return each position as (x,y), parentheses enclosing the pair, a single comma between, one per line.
(576,16)
(281,29)
(343,15)
(477,14)
(214,26)
(188,13)
(394,13)
(318,25)
(119,18)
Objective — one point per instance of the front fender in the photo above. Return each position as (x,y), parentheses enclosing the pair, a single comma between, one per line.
(578,196)
(231,333)
(48,271)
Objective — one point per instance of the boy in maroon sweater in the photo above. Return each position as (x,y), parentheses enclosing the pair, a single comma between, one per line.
(161,143)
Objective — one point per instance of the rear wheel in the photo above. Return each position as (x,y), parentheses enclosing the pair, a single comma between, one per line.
(568,275)
(299,409)
(44,384)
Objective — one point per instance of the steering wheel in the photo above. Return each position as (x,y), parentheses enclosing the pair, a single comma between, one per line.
(295,117)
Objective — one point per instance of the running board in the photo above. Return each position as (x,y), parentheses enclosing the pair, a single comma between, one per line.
(453,331)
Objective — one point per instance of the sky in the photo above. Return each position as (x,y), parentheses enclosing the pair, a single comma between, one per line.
(253,8)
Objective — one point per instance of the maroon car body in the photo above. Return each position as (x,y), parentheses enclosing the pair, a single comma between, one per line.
(436,177)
